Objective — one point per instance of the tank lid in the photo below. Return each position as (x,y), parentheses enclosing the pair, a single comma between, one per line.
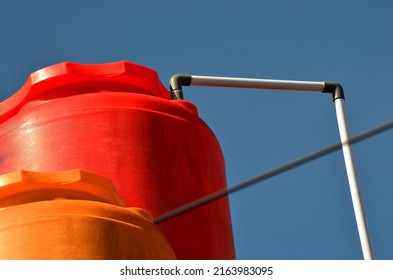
(70,78)
(20,187)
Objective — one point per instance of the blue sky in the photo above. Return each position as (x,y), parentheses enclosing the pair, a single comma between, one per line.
(305,213)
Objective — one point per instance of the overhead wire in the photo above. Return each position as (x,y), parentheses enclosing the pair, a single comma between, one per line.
(271,173)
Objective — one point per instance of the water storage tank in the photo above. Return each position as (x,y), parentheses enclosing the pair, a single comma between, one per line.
(73,215)
(119,121)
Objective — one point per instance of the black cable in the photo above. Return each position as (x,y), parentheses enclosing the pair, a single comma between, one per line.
(269,174)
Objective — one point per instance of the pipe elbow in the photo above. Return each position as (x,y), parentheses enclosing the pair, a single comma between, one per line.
(335,89)
(176,82)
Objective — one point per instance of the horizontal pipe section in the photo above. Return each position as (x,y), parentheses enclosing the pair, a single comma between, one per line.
(256,83)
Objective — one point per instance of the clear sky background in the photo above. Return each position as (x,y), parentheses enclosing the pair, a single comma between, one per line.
(305,213)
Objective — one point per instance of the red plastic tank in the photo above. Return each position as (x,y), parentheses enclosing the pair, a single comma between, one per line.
(119,121)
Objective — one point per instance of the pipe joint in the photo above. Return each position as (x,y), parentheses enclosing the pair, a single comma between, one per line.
(176,83)
(335,89)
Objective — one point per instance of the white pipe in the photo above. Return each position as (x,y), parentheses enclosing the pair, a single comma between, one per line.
(326,87)
(256,83)
(353,180)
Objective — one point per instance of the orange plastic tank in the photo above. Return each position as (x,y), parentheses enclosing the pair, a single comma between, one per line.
(73,215)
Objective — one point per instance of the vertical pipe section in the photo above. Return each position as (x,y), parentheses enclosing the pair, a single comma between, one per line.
(353,180)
